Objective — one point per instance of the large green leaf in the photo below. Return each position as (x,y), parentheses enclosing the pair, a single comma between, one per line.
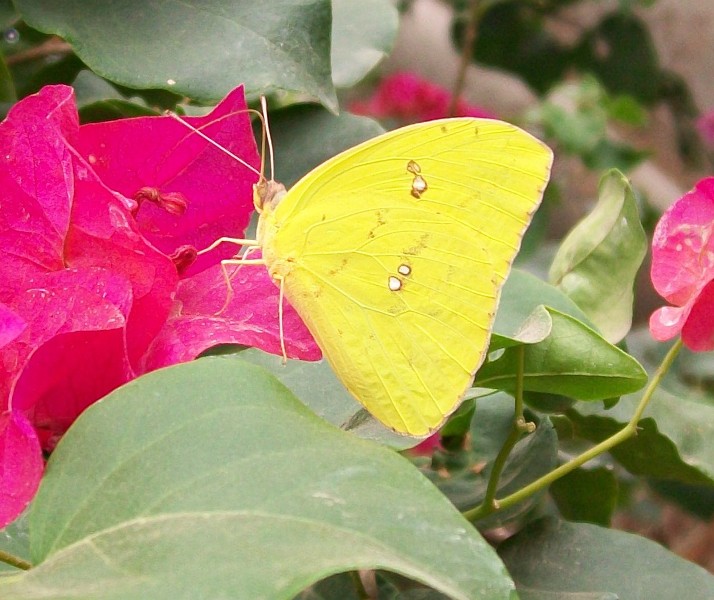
(597,262)
(572,361)
(210,477)
(201,50)
(316,385)
(675,439)
(362,35)
(553,559)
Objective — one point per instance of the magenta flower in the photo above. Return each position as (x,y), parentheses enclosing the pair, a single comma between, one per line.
(408,98)
(99,227)
(683,269)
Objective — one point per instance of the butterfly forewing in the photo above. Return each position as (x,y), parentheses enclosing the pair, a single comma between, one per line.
(397,250)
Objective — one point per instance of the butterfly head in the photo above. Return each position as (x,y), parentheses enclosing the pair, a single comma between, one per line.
(267,194)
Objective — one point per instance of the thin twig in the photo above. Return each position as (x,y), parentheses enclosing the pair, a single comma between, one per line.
(14,561)
(467,51)
(52,46)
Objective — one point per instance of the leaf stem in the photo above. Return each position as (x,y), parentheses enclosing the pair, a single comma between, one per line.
(628,431)
(14,561)
(360,589)
(518,428)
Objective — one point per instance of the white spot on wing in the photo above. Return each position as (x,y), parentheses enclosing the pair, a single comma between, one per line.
(419,185)
(395,283)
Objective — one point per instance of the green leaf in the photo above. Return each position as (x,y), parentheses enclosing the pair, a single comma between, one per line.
(552,559)
(98,100)
(522,294)
(627,110)
(513,37)
(317,387)
(695,499)
(109,110)
(578,131)
(620,52)
(363,33)
(609,154)
(597,262)
(305,136)
(586,494)
(572,361)
(201,51)
(90,88)
(675,439)
(468,471)
(210,477)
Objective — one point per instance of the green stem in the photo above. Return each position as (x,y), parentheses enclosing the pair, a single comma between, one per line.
(14,561)
(518,428)
(625,433)
(467,51)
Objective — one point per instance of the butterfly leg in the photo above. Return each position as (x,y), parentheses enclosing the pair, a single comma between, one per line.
(228,240)
(238,262)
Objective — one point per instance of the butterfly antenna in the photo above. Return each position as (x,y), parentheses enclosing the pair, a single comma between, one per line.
(200,133)
(266,133)
(263,142)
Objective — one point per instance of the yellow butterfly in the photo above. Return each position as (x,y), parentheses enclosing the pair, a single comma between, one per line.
(394,253)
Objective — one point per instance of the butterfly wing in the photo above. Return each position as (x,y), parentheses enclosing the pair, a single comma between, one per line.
(394,253)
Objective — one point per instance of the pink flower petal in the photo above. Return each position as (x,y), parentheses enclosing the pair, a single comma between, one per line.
(36,178)
(666,322)
(409,98)
(683,245)
(72,351)
(249,318)
(11,325)
(698,331)
(683,269)
(103,233)
(159,152)
(427,446)
(21,465)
